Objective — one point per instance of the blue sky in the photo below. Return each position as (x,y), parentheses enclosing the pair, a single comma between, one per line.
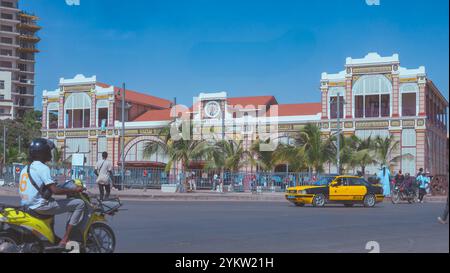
(180,48)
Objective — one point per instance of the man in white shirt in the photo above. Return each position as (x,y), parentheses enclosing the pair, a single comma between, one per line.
(36,187)
(104,171)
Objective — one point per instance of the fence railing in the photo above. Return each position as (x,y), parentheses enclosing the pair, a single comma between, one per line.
(153,178)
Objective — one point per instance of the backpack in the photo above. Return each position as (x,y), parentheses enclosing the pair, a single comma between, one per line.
(44,191)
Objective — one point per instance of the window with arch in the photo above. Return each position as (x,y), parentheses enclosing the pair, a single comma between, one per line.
(136,154)
(78,111)
(334,93)
(52,115)
(372,97)
(408,102)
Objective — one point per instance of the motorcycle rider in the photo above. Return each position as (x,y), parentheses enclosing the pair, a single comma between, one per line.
(40,153)
(408,184)
(399,178)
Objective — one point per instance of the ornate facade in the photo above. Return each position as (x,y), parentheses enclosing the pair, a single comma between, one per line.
(380,98)
(81,116)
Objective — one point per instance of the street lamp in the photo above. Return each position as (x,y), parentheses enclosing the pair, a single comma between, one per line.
(4,144)
(122,171)
(4,147)
(338,142)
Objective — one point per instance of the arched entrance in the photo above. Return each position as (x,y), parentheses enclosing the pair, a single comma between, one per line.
(134,153)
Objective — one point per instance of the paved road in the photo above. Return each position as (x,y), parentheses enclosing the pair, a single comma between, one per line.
(275,227)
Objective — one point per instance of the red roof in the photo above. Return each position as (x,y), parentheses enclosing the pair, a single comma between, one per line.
(255,101)
(154,115)
(139,98)
(301,109)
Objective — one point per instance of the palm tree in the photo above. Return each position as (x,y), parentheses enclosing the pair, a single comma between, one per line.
(384,148)
(58,155)
(14,156)
(225,155)
(346,151)
(317,150)
(363,154)
(229,155)
(363,158)
(294,155)
(184,151)
(262,159)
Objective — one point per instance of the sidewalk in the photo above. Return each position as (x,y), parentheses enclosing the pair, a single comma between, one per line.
(201,195)
(158,195)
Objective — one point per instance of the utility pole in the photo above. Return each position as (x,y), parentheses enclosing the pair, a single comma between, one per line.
(339,133)
(223,121)
(20,144)
(4,147)
(122,171)
(287,163)
(174,168)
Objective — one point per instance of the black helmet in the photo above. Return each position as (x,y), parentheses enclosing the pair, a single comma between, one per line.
(41,150)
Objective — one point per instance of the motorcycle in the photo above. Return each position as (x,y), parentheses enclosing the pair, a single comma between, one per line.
(24,231)
(401,192)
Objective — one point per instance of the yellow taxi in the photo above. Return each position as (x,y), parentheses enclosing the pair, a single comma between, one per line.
(344,189)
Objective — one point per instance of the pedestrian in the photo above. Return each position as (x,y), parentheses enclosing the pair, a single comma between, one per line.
(384,176)
(214,182)
(204,177)
(443,219)
(220,185)
(253,185)
(423,181)
(420,172)
(192,185)
(103,170)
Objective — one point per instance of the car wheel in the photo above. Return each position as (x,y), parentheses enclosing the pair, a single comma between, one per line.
(348,205)
(319,200)
(369,201)
(300,204)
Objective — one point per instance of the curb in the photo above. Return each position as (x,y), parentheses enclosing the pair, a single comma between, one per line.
(201,198)
(218,197)
(236,198)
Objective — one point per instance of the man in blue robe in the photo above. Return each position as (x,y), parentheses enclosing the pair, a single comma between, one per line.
(384,176)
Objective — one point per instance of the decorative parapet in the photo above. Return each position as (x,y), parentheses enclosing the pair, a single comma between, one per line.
(79,79)
(371,124)
(408,123)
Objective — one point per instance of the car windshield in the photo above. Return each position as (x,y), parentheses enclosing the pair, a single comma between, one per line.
(324,181)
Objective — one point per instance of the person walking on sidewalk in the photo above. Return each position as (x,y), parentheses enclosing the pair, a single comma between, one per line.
(103,170)
(423,182)
(192,184)
(215,182)
(220,185)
